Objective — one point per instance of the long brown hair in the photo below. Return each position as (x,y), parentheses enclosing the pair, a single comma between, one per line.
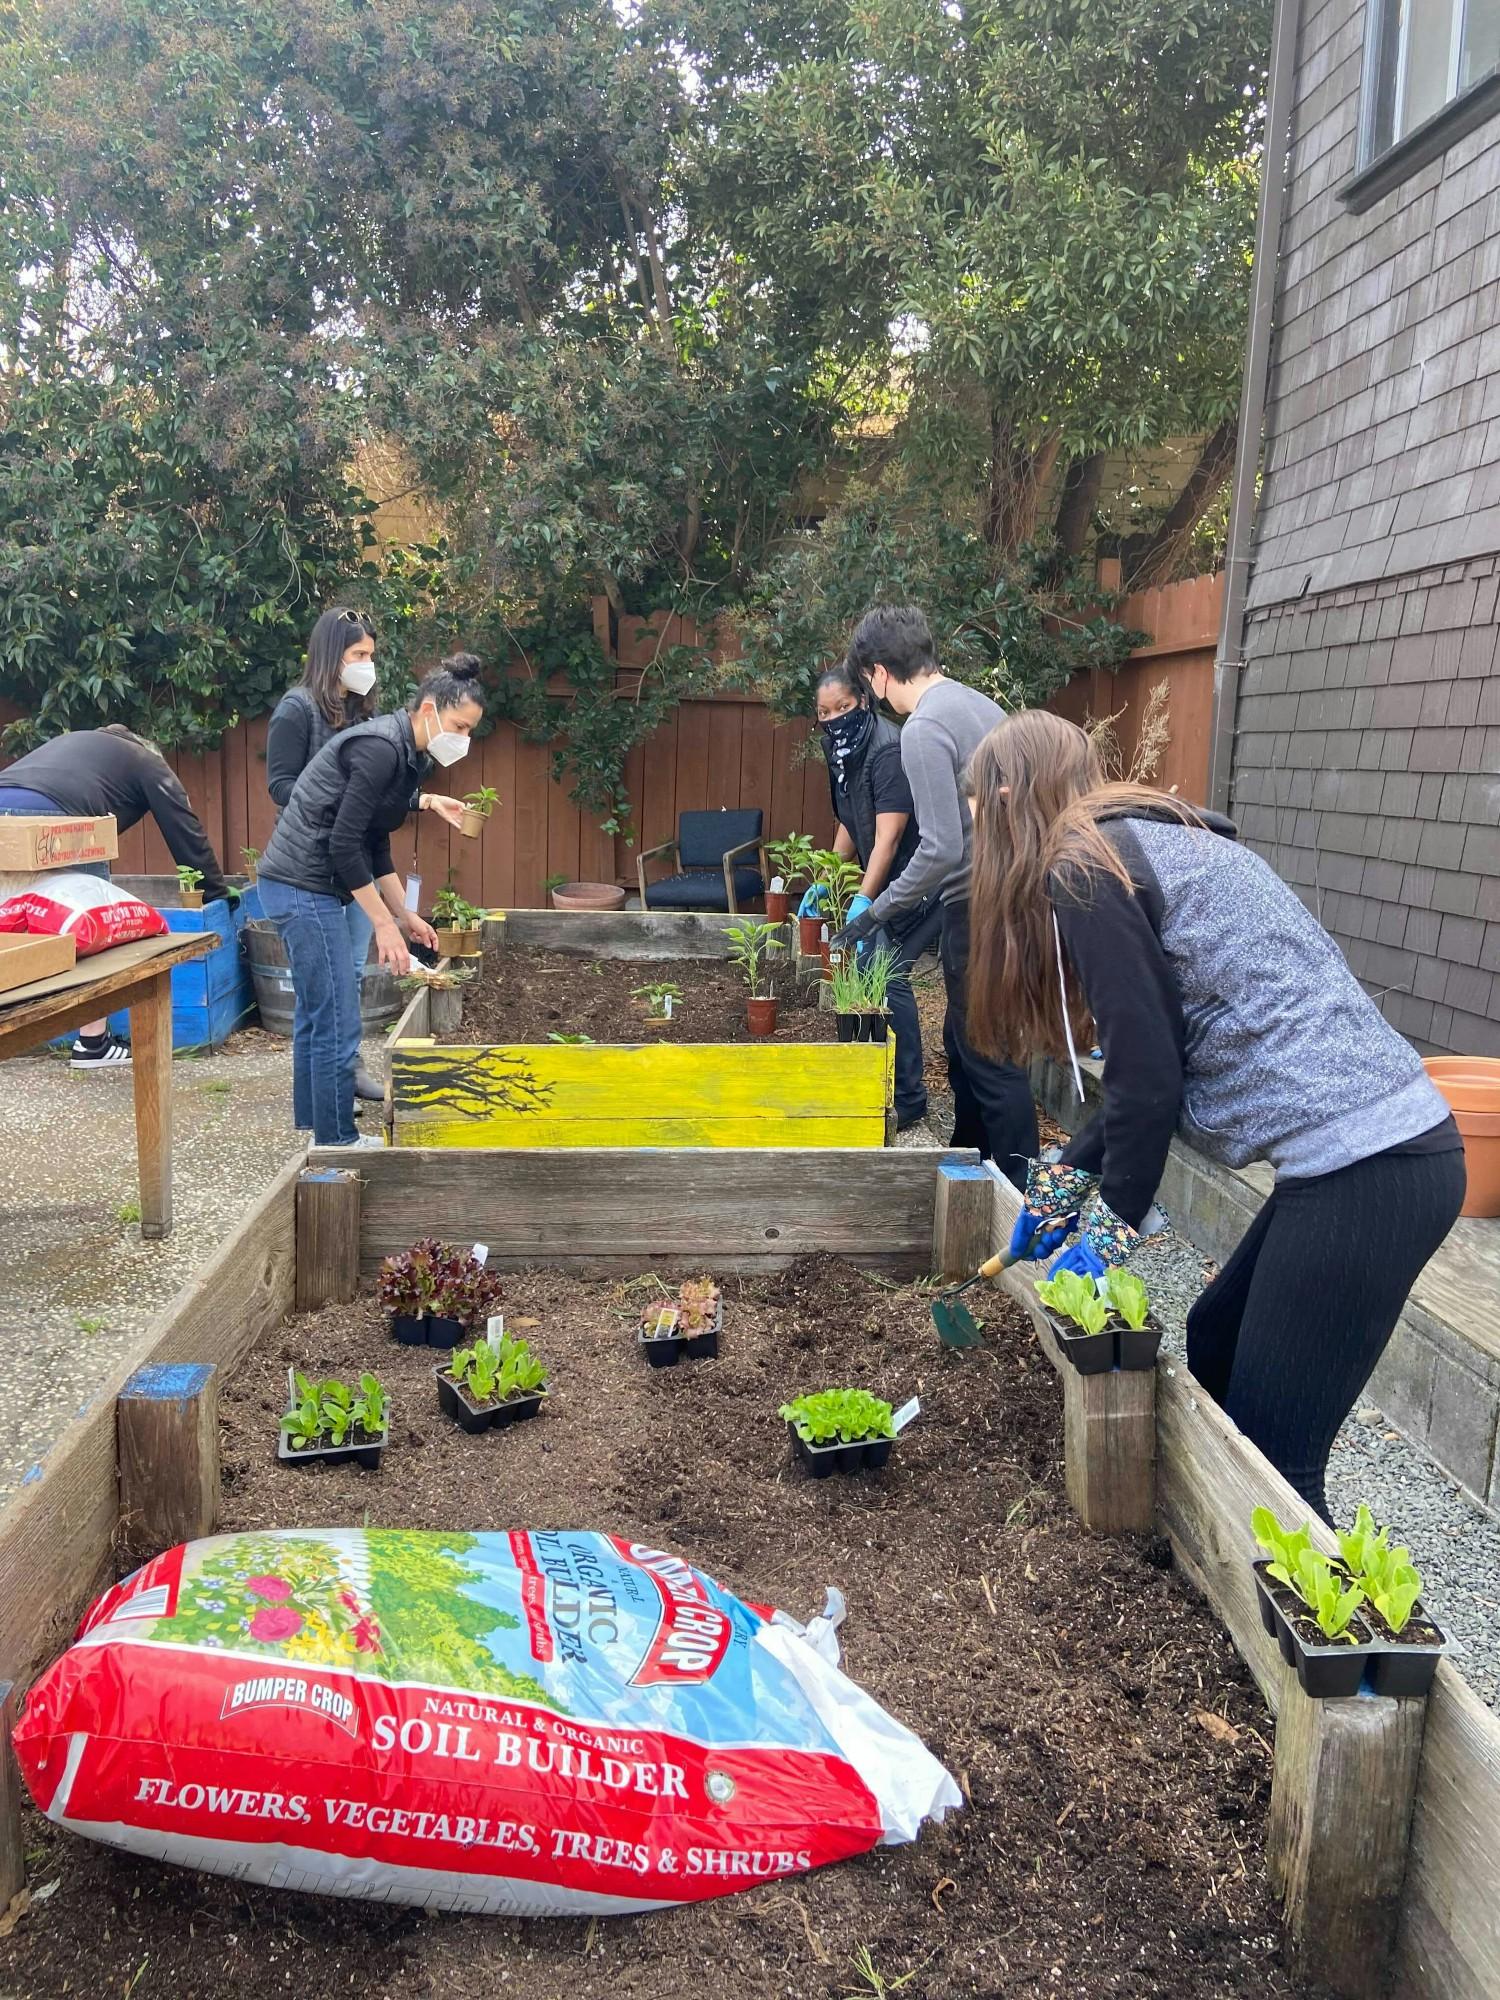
(1038,793)
(335,632)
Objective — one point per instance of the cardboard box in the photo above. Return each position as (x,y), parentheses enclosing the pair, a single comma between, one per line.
(40,842)
(24,958)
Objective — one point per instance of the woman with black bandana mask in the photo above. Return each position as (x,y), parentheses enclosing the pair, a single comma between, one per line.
(873,805)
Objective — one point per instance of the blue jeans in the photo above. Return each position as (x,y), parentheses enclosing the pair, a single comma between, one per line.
(361,931)
(325,1021)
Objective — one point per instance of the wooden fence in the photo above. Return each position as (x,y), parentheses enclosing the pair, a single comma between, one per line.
(727,750)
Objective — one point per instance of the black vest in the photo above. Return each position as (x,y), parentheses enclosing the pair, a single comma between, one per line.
(298,849)
(319,729)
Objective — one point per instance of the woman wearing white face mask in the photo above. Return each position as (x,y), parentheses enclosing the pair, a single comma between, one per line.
(337,690)
(332,845)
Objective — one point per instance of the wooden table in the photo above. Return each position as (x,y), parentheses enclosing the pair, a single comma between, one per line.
(137,976)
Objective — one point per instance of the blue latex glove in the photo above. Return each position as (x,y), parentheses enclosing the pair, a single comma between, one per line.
(1036,1236)
(1080,1258)
(857,909)
(812,903)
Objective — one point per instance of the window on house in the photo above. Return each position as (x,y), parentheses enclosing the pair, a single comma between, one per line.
(1424,54)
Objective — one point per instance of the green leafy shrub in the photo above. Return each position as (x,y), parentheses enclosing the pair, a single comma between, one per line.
(839,1416)
(453,912)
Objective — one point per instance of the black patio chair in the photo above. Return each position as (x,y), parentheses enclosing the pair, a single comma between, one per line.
(711,873)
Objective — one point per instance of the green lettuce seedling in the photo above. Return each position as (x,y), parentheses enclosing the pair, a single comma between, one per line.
(1075,1298)
(304,1423)
(369,1406)
(1323,1586)
(842,1416)
(1126,1295)
(1388,1576)
(491,1369)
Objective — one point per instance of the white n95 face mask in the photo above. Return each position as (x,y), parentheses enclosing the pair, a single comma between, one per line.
(447,747)
(358,676)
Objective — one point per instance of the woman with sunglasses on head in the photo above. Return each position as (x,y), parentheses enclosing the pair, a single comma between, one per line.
(336,690)
(1226,1012)
(877,828)
(331,846)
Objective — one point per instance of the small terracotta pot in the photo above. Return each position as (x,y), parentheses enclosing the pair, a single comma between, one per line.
(762,1015)
(1471,1085)
(810,935)
(190,899)
(777,907)
(588,896)
(472,823)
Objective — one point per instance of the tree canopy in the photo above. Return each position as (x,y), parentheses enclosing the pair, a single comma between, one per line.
(729,305)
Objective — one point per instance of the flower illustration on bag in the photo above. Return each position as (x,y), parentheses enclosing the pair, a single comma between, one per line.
(275,1589)
(275,1621)
(366,1635)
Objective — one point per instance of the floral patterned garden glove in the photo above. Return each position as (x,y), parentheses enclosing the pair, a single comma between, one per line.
(1103,1240)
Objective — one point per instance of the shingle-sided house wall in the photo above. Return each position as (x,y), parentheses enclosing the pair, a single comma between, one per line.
(1367,754)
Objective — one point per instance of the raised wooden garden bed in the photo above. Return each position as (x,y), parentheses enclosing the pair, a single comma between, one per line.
(1114,1761)
(636,1085)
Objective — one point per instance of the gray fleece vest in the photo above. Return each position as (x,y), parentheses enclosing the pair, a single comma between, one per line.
(1287,1059)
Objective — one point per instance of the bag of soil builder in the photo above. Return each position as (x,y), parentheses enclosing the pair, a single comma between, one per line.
(520,1723)
(86,907)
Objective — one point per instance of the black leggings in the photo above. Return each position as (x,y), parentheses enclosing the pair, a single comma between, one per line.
(1290,1331)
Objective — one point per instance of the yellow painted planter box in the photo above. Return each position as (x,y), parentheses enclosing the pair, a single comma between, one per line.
(651,1094)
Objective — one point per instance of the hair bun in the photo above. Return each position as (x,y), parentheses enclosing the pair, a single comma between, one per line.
(463,666)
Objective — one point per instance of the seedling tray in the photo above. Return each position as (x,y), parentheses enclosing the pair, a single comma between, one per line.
(427,1330)
(475,1417)
(1402,1668)
(1088,1353)
(1136,1347)
(366,1455)
(822,1460)
(666,1350)
(862,1027)
(1324,1672)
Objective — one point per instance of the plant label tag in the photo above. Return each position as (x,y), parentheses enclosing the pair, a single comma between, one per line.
(480,1253)
(778,887)
(494,1327)
(823,933)
(905,1414)
(413,891)
(667,1003)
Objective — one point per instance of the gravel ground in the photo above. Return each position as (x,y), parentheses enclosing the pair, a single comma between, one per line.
(1454,1541)
(79,1288)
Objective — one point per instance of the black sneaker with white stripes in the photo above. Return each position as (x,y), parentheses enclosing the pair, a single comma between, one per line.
(106,1053)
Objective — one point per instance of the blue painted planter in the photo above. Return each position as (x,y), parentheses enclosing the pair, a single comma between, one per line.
(211,996)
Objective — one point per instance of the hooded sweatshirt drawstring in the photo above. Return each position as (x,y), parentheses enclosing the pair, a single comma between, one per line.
(1062,989)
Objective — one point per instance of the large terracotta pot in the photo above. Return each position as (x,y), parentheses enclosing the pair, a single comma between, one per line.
(1471,1085)
(588,896)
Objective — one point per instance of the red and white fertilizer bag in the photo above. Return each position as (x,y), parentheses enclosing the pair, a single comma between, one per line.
(529,1724)
(96,913)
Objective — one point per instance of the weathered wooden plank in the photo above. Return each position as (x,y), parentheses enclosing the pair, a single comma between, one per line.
(327,1237)
(628,934)
(1448,1943)
(615,1208)
(47,1007)
(1109,1427)
(1336,1838)
(960,1219)
(647,1094)
(12,1839)
(56,1535)
(167,1426)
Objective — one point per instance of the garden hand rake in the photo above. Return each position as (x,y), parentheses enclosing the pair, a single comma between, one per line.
(956,1325)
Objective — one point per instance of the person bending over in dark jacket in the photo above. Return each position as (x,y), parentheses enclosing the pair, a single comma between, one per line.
(337,689)
(873,806)
(333,844)
(1227,1013)
(92,772)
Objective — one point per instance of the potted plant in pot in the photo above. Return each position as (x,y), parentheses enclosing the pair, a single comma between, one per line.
(478,805)
(750,945)
(190,888)
(839,1430)
(655,1003)
(1079,1319)
(406,1287)
(495,1382)
(859,984)
(251,858)
(688,1325)
(791,864)
(1309,1605)
(436,1294)
(458,924)
(839,880)
(328,1423)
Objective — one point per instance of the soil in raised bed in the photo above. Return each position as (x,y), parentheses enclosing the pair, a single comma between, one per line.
(525,995)
(1111,1745)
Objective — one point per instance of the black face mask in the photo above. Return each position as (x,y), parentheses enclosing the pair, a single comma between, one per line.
(845,736)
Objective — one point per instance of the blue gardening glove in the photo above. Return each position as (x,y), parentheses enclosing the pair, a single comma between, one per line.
(1080,1258)
(857,909)
(812,903)
(857,928)
(1039,1235)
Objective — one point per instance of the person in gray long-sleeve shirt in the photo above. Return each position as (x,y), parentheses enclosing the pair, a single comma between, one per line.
(944,722)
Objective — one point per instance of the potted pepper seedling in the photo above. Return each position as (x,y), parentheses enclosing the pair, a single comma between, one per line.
(750,945)
(478,805)
(1079,1319)
(251,858)
(328,1423)
(839,1430)
(859,988)
(190,888)
(655,1003)
(457,922)
(791,864)
(1309,1605)
(495,1382)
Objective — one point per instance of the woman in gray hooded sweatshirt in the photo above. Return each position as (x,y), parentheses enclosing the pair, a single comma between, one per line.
(1226,1013)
